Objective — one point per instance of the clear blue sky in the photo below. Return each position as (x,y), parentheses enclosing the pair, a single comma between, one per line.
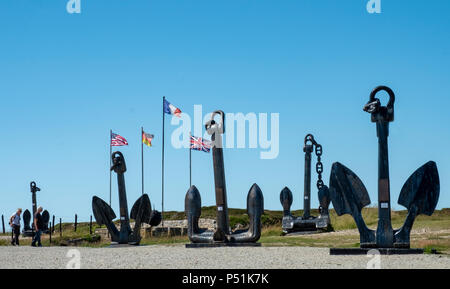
(66,80)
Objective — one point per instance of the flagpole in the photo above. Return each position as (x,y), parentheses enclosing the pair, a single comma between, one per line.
(110,164)
(190,161)
(142,157)
(162,166)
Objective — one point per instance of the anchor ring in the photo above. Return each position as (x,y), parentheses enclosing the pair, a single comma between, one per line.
(386,89)
(221,125)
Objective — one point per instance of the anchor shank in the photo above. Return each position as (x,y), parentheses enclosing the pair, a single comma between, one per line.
(219,180)
(385,232)
(125,228)
(33,198)
(307,183)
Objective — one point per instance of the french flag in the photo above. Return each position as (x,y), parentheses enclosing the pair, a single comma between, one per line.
(171,109)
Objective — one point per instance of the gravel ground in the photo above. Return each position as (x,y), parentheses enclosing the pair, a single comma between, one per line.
(155,257)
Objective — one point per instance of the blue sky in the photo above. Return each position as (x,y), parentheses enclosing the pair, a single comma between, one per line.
(67,79)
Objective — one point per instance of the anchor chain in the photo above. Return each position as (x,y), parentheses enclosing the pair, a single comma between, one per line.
(319,165)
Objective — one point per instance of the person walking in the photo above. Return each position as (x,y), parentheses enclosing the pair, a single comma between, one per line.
(38,227)
(14,222)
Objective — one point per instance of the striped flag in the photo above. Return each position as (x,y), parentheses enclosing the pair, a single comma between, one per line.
(200,144)
(117,140)
(171,109)
(147,138)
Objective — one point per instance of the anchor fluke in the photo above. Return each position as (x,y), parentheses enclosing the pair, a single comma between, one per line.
(420,195)
(286,200)
(347,191)
(255,209)
(142,209)
(422,189)
(349,196)
(103,213)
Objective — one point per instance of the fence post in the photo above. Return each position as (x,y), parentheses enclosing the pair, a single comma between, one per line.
(90,226)
(3,224)
(60,227)
(76,220)
(50,233)
(53,223)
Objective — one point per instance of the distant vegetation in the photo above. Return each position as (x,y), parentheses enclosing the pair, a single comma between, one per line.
(429,232)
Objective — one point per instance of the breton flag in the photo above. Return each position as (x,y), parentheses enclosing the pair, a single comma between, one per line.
(117,140)
(147,138)
(171,109)
(200,144)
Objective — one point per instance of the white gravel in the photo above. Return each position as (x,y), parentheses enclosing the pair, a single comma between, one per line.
(175,257)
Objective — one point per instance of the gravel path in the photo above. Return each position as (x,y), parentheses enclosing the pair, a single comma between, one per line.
(223,258)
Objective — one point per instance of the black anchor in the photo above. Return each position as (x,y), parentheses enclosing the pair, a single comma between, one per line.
(419,194)
(307,222)
(255,201)
(141,211)
(28,228)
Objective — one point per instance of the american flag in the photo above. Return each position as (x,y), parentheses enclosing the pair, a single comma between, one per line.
(200,144)
(117,140)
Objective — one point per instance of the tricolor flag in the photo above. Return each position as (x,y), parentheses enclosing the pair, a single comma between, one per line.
(200,144)
(171,109)
(147,138)
(117,140)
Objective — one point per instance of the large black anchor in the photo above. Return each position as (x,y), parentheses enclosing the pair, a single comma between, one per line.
(255,201)
(28,228)
(141,211)
(419,194)
(307,222)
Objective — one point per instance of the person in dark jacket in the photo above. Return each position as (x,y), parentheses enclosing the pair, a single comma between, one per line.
(38,227)
(14,222)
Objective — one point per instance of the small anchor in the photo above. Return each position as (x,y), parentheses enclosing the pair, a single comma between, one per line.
(307,222)
(419,194)
(255,200)
(141,211)
(28,229)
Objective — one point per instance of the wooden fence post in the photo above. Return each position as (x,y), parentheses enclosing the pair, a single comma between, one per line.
(90,226)
(3,224)
(50,233)
(76,220)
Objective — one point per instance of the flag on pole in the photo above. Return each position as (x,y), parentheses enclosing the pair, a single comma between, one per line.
(171,109)
(147,138)
(117,140)
(200,144)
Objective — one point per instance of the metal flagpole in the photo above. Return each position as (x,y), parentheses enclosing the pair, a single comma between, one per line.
(162,166)
(142,157)
(190,161)
(110,164)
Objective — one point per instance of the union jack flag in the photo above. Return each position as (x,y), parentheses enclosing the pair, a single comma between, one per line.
(117,140)
(200,144)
